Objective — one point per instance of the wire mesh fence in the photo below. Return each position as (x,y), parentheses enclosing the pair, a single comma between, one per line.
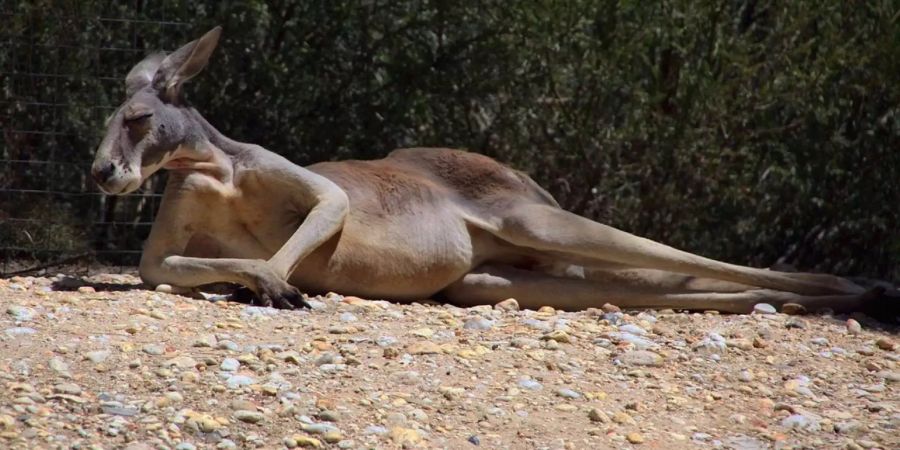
(62,67)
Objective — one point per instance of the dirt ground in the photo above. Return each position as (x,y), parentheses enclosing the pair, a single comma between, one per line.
(100,363)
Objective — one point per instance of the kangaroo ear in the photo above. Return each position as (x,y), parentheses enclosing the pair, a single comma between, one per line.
(184,63)
(142,73)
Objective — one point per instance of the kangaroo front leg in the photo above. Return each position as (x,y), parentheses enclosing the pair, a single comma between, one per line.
(256,274)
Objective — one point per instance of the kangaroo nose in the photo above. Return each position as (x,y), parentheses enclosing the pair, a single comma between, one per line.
(102,172)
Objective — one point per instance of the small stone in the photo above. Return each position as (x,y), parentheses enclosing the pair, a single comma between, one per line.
(59,366)
(528,383)
(20,331)
(423,348)
(236,381)
(847,427)
(795,322)
(474,440)
(207,424)
(793,309)
(306,441)
(623,418)
(318,428)
(7,422)
(174,397)
(249,416)
(525,342)
(332,437)
(205,341)
(885,344)
(763,308)
(598,416)
(853,327)
(97,357)
(800,421)
(568,393)
(329,416)
(633,329)
(153,349)
(20,313)
(181,362)
(226,444)
(634,438)
(230,365)
(559,336)
(509,304)
(67,388)
(405,436)
(889,376)
(86,290)
(450,392)
(478,323)
(641,358)
(610,308)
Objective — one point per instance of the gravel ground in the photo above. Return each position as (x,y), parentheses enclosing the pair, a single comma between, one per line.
(100,363)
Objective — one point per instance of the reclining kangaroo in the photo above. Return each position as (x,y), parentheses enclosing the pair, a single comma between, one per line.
(417,224)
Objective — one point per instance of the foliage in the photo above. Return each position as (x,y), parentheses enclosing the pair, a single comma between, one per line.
(752,131)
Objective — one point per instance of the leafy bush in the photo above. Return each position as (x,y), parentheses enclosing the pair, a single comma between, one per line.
(751,131)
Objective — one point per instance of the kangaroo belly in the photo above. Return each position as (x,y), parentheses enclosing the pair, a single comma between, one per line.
(407,257)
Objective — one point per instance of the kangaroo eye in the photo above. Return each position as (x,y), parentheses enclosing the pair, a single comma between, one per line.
(139,116)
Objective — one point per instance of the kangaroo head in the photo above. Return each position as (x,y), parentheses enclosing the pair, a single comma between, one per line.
(143,134)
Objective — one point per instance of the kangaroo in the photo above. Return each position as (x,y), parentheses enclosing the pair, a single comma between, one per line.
(420,223)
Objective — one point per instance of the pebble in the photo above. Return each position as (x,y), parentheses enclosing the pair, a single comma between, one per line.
(230,365)
(20,313)
(318,428)
(525,342)
(405,436)
(509,304)
(302,441)
(249,416)
(386,341)
(633,329)
(20,331)
(801,422)
(764,308)
(153,349)
(236,381)
(641,358)
(795,322)
(889,376)
(568,393)
(478,323)
(885,344)
(226,444)
(853,327)
(638,342)
(595,415)
(67,388)
(634,438)
(98,356)
(59,366)
(531,385)
(423,348)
